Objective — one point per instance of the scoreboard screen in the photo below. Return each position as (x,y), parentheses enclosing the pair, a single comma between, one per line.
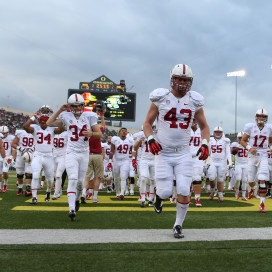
(120,106)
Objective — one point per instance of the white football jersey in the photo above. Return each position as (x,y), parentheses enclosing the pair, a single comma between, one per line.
(76,140)
(43,138)
(60,144)
(107,149)
(175,116)
(258,139)
(26,140)
(122,147)
(220,149)
(7,144)
(144,148)
(195,141)
(242,153)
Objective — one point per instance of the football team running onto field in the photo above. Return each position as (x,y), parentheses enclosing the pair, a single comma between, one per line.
(172,154)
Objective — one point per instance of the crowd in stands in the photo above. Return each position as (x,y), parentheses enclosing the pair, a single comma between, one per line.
(12,120)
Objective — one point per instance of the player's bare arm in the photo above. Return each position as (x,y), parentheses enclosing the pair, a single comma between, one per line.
(244,143)
(53,121)
(27,127)
(2,150)
(95,132)
(149,120)
(59,129)
(270,144)
(112,151)
(138,143)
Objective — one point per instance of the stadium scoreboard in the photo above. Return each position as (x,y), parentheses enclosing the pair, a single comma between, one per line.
(119,106)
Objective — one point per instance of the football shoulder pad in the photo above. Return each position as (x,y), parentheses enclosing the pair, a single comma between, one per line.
(197,98)
(158,94)
(227,140)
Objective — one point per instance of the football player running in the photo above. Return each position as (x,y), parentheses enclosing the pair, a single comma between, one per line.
(219,155)
(43,154)
(6,140)
(241,166)
(175,110)
(80,126)
(23,142)
(256,139)
(198,165)
(120,148)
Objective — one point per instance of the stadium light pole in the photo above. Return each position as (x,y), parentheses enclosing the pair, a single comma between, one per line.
(236,74)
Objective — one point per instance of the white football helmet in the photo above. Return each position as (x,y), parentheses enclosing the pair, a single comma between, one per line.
(181,71)
(76,100)
(240,135)
(27,156)
(45,110)
(108,176)
(218,132)
(261,113)
(4,130)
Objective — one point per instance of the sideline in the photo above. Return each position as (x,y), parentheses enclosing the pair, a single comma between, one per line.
(101,236)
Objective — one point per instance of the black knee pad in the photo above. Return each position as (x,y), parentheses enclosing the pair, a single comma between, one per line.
(20,176)
(195,182)
(28,176)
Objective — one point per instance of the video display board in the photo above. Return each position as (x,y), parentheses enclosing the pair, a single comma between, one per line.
(119,106)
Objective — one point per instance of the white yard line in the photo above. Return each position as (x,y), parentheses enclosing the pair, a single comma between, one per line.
(91,236)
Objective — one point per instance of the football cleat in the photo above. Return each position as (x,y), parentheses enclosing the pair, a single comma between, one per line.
(47,197)
(28,193)
(4,188)
(158,204)
(20,192)
(244,199)
(220,199)
(77,205)
(178,232)
(142,204)
(95,200)
(197,202)
(121,197)
(150,204)
(55,196)
(237,195)
(173,200)
(126,192)
(89,196)
(262,209)
(83,200)
(72,215)
(250,194)
(211,196)
(131,192)
(34,201)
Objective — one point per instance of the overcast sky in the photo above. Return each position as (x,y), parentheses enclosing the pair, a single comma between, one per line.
(50,46)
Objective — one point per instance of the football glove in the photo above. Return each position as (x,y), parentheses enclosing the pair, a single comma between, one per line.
(109,166)
(134,164)
(21,149)
(37,114)
(203,150)
(234,151)
(154,146)
(31,149)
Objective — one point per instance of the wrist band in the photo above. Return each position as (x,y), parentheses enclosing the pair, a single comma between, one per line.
(33,118)
(205,142)
(150,137)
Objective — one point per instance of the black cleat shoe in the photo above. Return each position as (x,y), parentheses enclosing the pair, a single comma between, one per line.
(158,204)
(47,197)
(142,204)
(77,205)
(83,200)
(34,201)
(72,215)
(178,232)
(150,204)
(20,192)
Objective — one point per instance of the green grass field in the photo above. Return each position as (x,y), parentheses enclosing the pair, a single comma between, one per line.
(110,213)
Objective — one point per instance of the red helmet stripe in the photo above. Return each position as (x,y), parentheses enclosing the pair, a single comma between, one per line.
(76,98)
(184,69)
